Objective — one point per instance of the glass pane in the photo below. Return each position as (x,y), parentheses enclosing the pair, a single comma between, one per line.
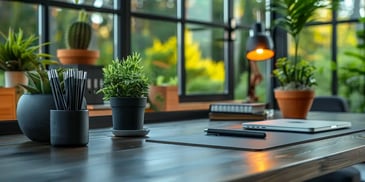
(323,15)
(204,60)
(17,15)
(240,65)
(95,3)
(159,7)
(351,9)
(157,42)
(102,37)
(351,83)
(208,11)
(315,46)
(246,12)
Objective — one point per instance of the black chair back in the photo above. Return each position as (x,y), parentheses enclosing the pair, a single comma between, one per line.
(329,104)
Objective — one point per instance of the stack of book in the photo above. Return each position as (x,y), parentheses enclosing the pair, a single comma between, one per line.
(237,111)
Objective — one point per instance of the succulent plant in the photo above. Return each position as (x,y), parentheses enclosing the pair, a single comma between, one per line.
(79,33)
(39,82)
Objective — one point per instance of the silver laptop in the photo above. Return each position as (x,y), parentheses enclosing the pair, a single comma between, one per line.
(297,125)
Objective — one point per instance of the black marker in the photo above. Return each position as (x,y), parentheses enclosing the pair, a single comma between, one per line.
(237,133)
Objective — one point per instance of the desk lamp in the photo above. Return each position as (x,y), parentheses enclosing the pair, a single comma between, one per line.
(259,47)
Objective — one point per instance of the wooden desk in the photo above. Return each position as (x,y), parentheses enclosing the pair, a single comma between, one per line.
(108,158)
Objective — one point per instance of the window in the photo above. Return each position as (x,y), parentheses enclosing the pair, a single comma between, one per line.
(326,42)
(199,43)
(18,15)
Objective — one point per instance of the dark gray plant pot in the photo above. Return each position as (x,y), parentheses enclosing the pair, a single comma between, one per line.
(128,113)
(33,116)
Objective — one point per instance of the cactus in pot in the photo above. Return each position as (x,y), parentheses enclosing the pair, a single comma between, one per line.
(79,33)
(78,38)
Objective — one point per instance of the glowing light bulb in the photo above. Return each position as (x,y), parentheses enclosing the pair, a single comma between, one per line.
(259,51)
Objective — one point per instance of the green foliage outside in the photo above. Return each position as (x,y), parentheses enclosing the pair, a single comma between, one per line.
(203,74)
(353,73)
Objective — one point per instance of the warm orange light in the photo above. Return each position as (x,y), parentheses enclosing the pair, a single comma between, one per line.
(260,54)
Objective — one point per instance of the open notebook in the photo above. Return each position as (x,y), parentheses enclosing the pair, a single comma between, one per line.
(297,125)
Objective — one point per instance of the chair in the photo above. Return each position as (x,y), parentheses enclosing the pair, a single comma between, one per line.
(329,104)
(335,104)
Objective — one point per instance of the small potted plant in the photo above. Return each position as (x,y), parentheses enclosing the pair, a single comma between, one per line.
(78,38)
(33,109)
(296,76)
(126,86)
(18,54)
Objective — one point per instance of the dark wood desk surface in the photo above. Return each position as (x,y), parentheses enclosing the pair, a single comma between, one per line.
(108,158)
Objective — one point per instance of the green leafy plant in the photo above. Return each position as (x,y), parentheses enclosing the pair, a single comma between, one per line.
(294,73)
(125,78)
(299,76)
(19,53)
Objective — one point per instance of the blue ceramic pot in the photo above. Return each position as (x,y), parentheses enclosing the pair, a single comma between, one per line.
(33,115)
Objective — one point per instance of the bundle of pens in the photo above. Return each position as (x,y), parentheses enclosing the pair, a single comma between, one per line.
(71,97)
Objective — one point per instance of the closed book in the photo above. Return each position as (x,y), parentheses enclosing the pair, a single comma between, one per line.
(238,107)
(215,116)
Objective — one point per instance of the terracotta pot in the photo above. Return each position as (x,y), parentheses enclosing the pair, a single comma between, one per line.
(77,56)
(164,98)
(294,103)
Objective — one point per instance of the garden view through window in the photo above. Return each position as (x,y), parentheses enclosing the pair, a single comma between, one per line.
(195,45)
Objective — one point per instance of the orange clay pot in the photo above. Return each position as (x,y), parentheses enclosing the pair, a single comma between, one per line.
(294,103)
(77,56)
(164,98)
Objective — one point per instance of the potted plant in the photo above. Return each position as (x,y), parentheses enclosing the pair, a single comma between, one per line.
(18,53)
(126,86)
(78,37)
(161,68)
(33,110)
(164,95)
(295,75)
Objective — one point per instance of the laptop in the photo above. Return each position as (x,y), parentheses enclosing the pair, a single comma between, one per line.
(297,125)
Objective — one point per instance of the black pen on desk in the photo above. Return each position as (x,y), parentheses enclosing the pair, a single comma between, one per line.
(237,133)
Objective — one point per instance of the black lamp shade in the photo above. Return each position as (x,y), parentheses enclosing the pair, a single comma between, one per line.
(259,46)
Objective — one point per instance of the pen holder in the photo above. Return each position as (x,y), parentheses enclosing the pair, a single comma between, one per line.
(69,128)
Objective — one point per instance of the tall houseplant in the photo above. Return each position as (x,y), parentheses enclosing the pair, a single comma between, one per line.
(78,38)
(126,86)
(19,53)
(296,76)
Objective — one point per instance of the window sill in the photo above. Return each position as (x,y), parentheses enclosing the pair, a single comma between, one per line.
(101,118)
